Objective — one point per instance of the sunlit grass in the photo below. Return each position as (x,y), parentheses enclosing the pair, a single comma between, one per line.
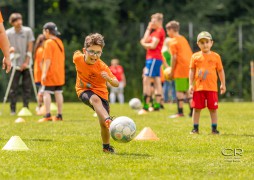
(72,149)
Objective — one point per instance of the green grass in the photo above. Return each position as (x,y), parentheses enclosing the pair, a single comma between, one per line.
(72,149)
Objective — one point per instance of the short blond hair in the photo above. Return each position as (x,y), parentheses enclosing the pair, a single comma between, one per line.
(158,16)
(175,25)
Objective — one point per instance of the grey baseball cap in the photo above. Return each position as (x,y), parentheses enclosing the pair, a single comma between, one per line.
(52,28)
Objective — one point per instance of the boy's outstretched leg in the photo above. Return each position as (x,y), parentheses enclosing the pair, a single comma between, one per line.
(104,120)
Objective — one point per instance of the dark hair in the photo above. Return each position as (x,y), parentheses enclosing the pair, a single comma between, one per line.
(14,17)
(94,39)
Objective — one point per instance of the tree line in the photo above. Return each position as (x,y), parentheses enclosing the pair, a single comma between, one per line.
(121,22)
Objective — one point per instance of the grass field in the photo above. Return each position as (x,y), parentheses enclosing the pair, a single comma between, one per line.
(72,149)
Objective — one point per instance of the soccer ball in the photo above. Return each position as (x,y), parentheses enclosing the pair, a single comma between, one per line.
(166,73)
(135,103)
(122,129)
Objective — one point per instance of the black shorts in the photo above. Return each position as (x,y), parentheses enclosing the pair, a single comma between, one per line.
(85,97)
(52,89)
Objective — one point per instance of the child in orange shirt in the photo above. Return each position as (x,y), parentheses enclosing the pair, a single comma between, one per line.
(53,71)
(204,67)
(38,60)
(180,60)
(91,83)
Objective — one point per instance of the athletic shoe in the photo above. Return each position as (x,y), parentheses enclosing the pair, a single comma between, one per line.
(176,115)
(194,131)
(108,121)
(215,132)
(57,118)
(109,150)
(45,119)
(142,111)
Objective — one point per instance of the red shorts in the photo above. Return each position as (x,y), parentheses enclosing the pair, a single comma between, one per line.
(202,99)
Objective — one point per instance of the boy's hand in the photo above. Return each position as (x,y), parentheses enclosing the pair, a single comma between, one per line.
(191,89)
(222,89)
(6,64)
(105,75)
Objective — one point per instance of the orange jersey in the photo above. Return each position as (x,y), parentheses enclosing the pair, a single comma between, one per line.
(205,70)
(91,74)
(37,64)
(1,18)
(180,47)
(54,51)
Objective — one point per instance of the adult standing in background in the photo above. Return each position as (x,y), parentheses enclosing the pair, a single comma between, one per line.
(4,46)
(21,40)
(152,41)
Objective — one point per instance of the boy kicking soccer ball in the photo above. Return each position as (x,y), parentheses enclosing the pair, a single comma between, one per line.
(204,67)
(92,77)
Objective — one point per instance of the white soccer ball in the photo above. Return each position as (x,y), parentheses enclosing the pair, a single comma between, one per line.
(122,129)
(135,103)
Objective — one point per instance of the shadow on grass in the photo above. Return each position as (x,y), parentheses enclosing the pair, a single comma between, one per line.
(75,121)
(42,140)
(133,154)
(244,135)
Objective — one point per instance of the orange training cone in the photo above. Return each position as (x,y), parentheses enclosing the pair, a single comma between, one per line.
(146,134)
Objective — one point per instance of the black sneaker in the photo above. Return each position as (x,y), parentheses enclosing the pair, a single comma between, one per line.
(110,149)
(215,131)
(194,131)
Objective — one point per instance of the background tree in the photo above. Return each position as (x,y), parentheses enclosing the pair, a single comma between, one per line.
(122,23)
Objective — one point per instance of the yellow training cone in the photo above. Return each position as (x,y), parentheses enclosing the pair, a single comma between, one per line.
(19,120)
(24,112)
(146,134)
(15,144)
(53,107)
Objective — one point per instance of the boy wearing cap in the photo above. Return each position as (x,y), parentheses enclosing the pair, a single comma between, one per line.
(204,67)
(53,71)
(21,40)
(4,46)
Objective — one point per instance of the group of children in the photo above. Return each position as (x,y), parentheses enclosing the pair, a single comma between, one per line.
(193,74)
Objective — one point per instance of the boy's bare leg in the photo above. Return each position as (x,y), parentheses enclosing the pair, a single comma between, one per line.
(102,115)
(47,101)
(59,101)
(158,89)
(196,116)
(213,115)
